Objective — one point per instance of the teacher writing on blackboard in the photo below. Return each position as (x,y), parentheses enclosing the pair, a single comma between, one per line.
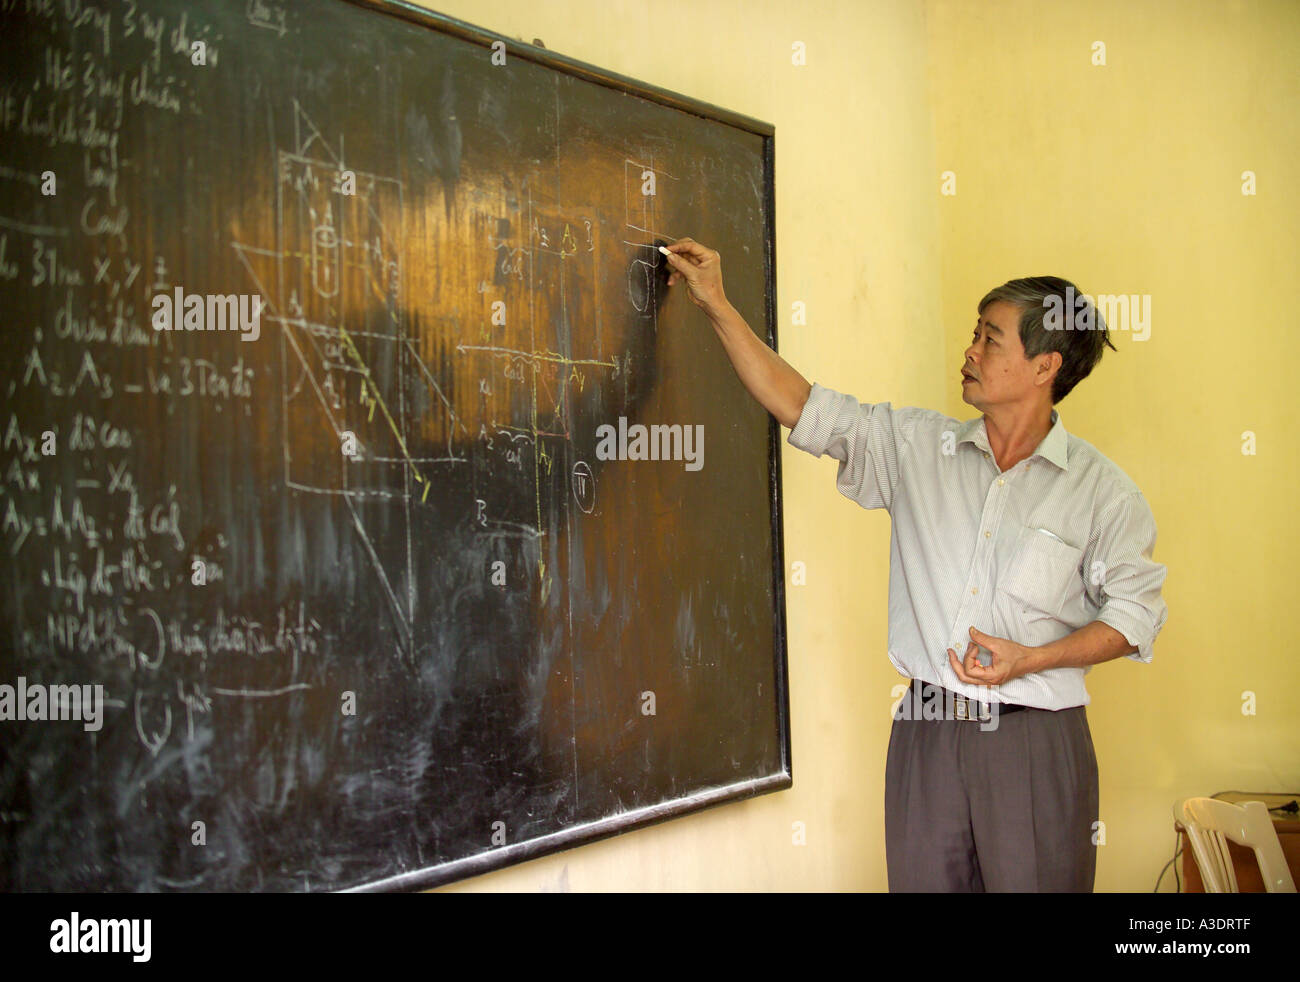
(1013,542)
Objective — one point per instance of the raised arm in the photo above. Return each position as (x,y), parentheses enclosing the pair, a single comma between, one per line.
(780,389)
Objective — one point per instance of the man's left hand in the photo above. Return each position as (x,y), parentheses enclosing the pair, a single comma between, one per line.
(1010,660)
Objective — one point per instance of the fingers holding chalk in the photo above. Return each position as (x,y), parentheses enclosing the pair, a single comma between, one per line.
(699,266)
(673,274)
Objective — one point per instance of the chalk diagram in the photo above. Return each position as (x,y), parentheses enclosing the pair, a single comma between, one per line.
(330,246)
(334,286)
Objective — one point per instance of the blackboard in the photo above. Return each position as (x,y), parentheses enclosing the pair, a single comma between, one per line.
(368,605)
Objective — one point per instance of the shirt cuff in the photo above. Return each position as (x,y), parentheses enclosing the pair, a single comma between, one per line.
(1134,631)
(812,431)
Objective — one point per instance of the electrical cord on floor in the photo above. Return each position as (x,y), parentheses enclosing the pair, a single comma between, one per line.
(1178,851)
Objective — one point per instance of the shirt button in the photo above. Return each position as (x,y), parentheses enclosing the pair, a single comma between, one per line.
(1001,482)
(974,590)
(987,533)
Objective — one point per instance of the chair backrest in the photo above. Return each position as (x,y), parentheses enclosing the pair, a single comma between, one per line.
(1209,821)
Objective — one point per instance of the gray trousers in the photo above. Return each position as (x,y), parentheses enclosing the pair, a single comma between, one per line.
(974,808)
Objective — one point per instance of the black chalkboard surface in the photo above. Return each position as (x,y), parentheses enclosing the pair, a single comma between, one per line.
(338,372)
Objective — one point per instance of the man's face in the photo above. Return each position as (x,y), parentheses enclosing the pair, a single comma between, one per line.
(996,360)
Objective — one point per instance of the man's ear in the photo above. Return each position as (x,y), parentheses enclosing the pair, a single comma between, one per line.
(1048,368)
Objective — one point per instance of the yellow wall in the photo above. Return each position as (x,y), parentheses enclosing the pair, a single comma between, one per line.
(1125,178)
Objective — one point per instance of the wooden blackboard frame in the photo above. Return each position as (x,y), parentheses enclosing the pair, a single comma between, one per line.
(639,818)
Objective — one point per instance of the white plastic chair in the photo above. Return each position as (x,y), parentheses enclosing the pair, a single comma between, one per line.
(1208,821)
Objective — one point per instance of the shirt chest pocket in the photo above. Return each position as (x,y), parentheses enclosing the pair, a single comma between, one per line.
(1043,573)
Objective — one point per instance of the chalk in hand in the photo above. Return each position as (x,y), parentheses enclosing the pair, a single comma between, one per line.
(664,251)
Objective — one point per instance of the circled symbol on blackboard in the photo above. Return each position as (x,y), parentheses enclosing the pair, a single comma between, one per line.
(584,486)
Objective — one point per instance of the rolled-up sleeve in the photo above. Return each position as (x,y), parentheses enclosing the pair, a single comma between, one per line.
(1124,577)
(865,439)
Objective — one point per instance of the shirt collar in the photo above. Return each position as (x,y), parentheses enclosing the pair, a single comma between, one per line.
(1052,447)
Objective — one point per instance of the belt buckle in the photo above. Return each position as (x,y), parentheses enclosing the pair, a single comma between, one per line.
(962,708)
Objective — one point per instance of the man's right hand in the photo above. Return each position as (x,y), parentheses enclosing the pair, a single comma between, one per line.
(780,389)
(701,268)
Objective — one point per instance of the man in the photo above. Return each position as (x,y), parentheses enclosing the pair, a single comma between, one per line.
(1014,543)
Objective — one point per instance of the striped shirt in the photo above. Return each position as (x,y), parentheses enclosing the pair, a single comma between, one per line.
(1032,553)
